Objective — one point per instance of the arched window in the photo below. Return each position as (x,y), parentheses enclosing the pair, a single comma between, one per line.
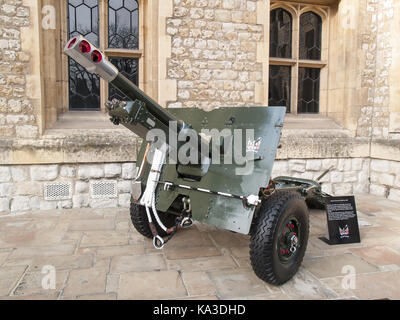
(280,34)
(295,73)
(310,36)
(123,33)
(84,87)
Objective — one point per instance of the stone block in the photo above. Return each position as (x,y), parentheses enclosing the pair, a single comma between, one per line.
(356,164)
(48,205)
(198,283)
(394,194)
(331,266)
(9,278)
(129,250)
(336,177)
(378,256)
(90,171)
(378,190)
(5,174)
(350,177)
(343,189)
(164,284)
(103,203)
(223,15)
(124,200)
(6,189)
(31,283)
(112,284)
(104,238)
(92,225)
(297,166)
(280,168)
(86,281)
(29,189)
(68,172)
(80,201)
(386,179)
(44,172)
(397,181)
(344,165)
(314,165)
(372,286)
(124,186)
(202,264)
(112,170)
(65,204)
(81,187)
(137,263)
(233,284)
(128,171)
(4,205)
(43,252)
(328,163)
(174,253)
(380,165)
(360,188)
(305,286)
(28,132)
(34,202)
(19,173)
(394,167)
(20,203)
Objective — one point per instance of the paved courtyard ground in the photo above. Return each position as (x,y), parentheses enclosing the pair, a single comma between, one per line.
(98,255)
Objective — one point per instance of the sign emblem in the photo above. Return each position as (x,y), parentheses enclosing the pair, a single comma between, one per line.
(345,232)
(254,146)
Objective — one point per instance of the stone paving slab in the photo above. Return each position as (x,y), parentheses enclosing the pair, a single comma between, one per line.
(98,255)
(151,285)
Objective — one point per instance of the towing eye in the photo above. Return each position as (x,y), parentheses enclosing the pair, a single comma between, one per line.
(181,222)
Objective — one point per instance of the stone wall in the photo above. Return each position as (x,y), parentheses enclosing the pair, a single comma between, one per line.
(348,176)
(17,114)
(214,53)
(385,178)
(377,44)
(22,187)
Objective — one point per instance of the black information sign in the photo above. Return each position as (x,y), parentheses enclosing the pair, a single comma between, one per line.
(342,220)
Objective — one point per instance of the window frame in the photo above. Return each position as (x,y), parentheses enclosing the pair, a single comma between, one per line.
(103,46)
(296,10)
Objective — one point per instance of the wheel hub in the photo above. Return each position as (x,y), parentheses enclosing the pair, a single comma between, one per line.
(289,239)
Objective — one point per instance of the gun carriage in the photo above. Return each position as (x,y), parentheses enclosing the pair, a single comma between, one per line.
(184,174)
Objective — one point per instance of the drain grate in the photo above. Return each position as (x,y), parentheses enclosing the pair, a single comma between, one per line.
(58,191)
(103,189)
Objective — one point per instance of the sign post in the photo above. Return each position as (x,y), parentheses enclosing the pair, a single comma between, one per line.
(342,223)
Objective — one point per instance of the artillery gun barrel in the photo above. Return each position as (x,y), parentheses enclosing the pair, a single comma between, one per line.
(91,58)
(141,114)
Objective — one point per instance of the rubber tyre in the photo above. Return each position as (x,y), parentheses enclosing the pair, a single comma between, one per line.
(313,203)
(141,223)
(264,238)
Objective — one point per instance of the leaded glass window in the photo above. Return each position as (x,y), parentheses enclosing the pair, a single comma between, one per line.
(295,73)
(279,86)
(84,87)
(280,34)
(129,68)
(310,36)
(308,90)
(119,27)
(123,24)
